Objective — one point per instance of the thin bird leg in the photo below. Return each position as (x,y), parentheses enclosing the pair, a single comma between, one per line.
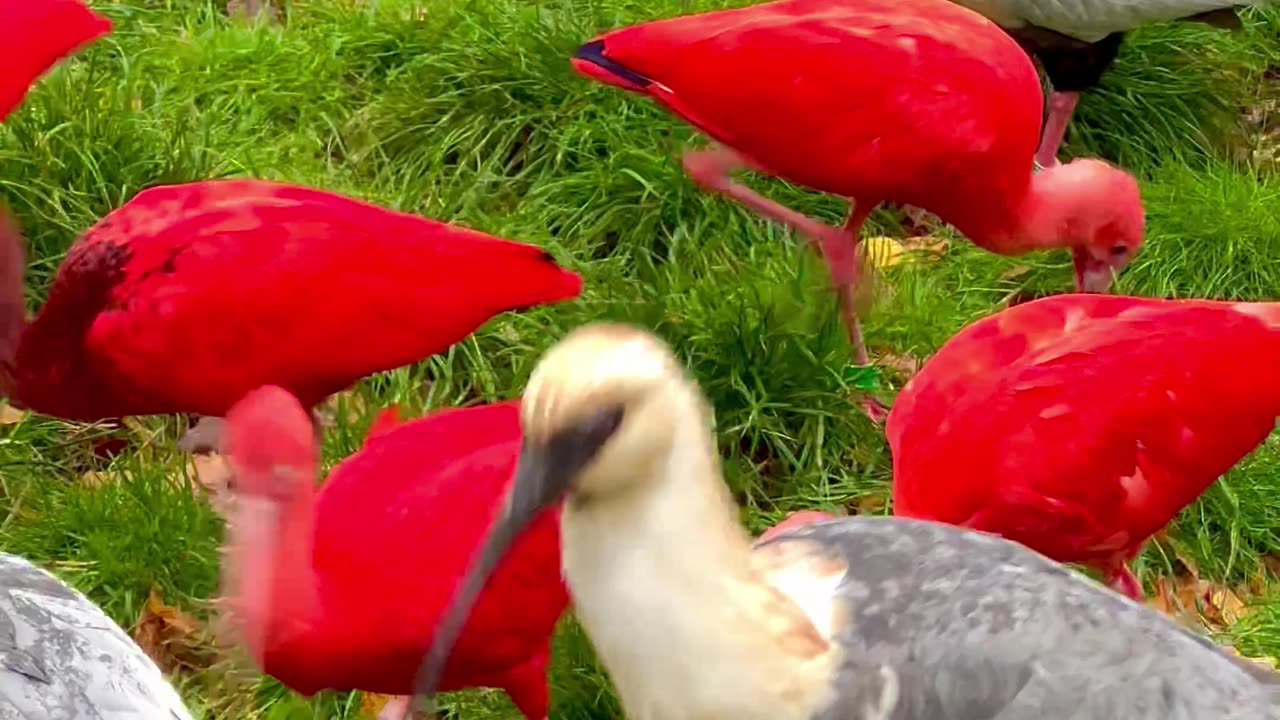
(711,169)
(846,264)
(1061,107)
(1122,580)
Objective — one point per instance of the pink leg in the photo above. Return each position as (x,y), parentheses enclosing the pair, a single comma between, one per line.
(1123,581)
(1061,106)
(711,169)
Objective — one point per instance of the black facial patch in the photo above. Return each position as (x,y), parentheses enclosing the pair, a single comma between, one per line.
(572,448)
(593,52)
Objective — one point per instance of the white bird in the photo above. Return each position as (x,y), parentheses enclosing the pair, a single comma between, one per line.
(1076,41)
(62,658)
(850,619)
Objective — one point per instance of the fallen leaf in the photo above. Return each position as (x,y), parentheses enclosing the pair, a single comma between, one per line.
(171,637)
(901,363)
(372,704)
(9,415)
(212,474)
(872,504)
(883,252)
(354,404)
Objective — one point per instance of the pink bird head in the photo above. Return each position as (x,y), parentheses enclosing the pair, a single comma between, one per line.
(1099,210)
(36,34)
(269,441)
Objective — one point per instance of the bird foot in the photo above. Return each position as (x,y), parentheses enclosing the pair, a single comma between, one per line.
(205,437)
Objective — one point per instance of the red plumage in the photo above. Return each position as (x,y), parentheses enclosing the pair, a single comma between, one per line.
(1079,425)
(34,36)
(919,102)
(329,588)
(191,295)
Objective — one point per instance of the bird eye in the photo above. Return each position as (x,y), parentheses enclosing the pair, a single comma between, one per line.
(1119,250)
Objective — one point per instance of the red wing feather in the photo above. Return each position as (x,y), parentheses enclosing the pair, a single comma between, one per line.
(35,35)
(862,99)
(1109,413)
(233,284)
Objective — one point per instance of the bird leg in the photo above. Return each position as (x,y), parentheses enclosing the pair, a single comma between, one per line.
(1122,580)
(206,436)
(712,168)
(1061,107)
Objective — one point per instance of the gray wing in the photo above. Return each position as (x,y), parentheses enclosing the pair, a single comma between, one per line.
(951,624)
(62,658)
(1092,20)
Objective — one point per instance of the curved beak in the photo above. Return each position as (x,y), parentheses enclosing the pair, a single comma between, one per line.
(1092,275)
(541,478)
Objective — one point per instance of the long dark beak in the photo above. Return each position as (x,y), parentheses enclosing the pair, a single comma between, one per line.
(539,483)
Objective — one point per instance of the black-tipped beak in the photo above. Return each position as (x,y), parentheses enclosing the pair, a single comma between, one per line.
(543,475)
(590,60)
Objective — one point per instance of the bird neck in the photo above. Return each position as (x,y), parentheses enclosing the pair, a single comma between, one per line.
(270,575)
(663,582)
(1045,218)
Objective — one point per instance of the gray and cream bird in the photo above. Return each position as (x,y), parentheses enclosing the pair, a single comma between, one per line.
(62,658)
(1076,42)
(850,619)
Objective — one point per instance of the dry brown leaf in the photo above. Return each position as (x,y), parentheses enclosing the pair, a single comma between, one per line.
(356,409)
(171,637)
(96,478)
(212,474)
(1193,601)
(900,362)
(9,415)
(871,504)
(371,704)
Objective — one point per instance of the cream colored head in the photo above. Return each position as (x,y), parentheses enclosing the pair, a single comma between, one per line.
(600,415)
(605,399)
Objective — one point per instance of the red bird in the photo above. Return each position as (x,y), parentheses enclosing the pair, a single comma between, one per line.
(327,590)
(35,35)
(1079,425)
(151,311)
(918,102)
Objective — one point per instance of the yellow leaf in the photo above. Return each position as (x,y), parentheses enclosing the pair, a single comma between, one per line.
(10,415)
(883,252)
(170,636)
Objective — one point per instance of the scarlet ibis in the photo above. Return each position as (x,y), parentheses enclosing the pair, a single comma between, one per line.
(153,308)
(62,658)
(1079,425)
(35,35)
(1076,42)
(861,617)
(325,588)
(918,102)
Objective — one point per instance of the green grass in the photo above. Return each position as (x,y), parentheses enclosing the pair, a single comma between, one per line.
(468,111)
